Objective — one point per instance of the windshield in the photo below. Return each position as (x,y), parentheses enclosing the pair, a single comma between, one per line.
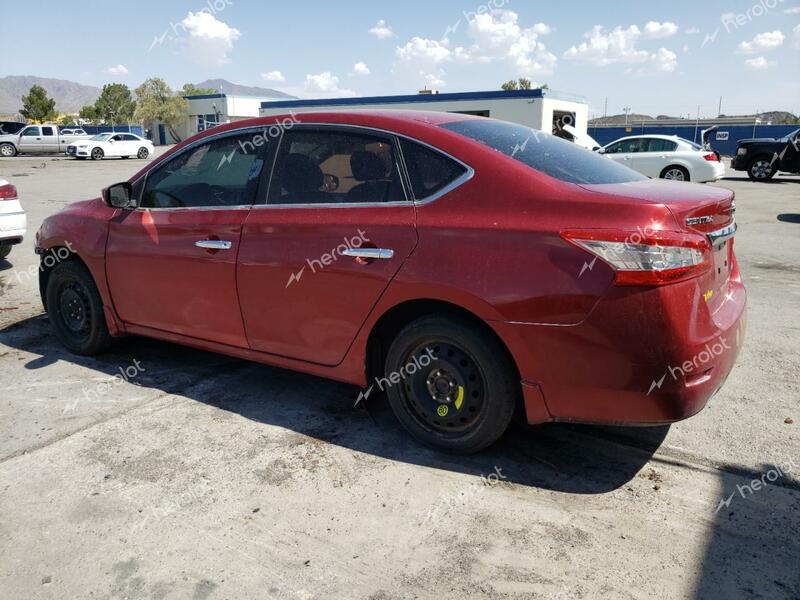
(101,137)
(544,152)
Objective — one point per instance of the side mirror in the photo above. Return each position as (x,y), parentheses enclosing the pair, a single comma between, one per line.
(119,195)
(600,150)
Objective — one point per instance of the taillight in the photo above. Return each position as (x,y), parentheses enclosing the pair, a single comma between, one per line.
(644,257)
(8,192)
(711,156)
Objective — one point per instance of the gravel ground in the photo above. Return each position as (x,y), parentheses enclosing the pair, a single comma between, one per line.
(201,476)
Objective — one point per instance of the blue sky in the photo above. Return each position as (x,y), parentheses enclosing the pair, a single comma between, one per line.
(649,56)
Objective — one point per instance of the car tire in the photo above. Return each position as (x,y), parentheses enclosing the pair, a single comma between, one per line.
(761,168)
(5,250)
(7,150)
(143,153)
(461,400)
(75,309)
(675,173)
(97,154)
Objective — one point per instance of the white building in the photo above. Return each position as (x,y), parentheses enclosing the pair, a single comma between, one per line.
(545,110)
(206,111)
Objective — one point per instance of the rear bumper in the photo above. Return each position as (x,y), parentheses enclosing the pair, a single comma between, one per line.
(643,357)
(739,162)
(13,222)
(710,171)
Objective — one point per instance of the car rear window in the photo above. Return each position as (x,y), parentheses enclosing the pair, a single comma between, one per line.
(544,152)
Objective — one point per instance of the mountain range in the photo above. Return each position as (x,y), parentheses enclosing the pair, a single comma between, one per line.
(70,96)
(776,117)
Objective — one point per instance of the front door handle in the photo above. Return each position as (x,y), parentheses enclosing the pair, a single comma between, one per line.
(369,253)
(213,244)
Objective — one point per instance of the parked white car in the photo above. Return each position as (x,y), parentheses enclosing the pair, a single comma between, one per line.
(667,157)
(102,145)
(12,218)
(73,131)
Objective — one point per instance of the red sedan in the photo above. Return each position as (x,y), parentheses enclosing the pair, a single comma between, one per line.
(465,267)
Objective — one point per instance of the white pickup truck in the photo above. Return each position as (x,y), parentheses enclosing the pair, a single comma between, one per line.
(37,139)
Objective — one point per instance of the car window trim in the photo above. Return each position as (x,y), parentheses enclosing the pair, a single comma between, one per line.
(356,129)
(187,148)
(468,174)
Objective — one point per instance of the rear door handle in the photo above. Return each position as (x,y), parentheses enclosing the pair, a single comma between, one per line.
(369,253)
(213,244)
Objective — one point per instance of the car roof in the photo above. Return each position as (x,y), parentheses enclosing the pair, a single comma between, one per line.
(657,136)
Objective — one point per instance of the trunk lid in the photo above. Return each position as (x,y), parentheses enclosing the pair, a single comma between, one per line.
(701,209)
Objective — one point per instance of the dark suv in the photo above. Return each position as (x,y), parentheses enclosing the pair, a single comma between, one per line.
(763,157)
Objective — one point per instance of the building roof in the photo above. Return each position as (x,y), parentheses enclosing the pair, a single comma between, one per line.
(424,98)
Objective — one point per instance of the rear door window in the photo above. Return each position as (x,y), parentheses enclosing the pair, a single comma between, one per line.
(325,166)
(429,171)
(544,152)
(47,131)
(658,145)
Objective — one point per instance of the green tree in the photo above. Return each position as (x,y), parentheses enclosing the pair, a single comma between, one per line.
(521,84)
(189,89)
(155,101)
(38,106)
(89,113)
(115,104)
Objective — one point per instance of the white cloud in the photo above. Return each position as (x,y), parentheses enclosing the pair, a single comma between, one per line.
(794,10)
(494,36)
(763,42)
(325,85)
(118,70)
(275,76)
(619,46)
(498,36)
(758,64)
(796,36)
(361,68)
(382,30)
(653,30)
(209,39)
(692,31)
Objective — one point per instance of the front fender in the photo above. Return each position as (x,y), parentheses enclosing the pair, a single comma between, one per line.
(81,228)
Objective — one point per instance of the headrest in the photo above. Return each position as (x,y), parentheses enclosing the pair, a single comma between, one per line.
(367,166)
(301,174)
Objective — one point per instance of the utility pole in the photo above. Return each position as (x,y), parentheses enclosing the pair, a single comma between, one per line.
(626,110)
(605,108)
(719,111)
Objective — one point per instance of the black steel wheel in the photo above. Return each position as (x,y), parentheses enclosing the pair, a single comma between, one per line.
(450,383)
(75,309)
